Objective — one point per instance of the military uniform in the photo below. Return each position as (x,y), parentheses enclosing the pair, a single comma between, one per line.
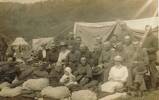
(73,59)
(52,56)
(151,45)
(135,54)
(54,77)
(105,60)
(83,74)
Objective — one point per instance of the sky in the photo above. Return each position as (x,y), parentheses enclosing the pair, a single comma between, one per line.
(22,1)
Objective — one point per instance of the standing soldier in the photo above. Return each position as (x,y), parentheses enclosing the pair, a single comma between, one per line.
(70,39)
(84,52)
(96,51)
(52,55)
(63,52)
(105,59)
(150,44)
(127,45)
(78,42)
(118,50)
(73,58)
(139,55)
(127,42)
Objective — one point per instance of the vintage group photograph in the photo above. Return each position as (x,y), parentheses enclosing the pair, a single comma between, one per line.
(79,49)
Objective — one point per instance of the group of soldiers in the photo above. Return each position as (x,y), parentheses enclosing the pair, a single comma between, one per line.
(91,68)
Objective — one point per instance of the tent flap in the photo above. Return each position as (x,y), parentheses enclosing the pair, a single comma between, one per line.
(135,28)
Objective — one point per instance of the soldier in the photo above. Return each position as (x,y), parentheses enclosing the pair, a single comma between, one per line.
(118,50)
(73,58)
(151,46)
(105,59)
(84,52)
(8,70)
(78,42)
(63,52)
(55,75)
(136,54)
(127,42)
(84,72)
(70,39)
(95,55)
(52,55)
(127,46)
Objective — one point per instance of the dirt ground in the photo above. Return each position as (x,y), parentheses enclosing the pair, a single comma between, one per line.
(22,98)
(16,98)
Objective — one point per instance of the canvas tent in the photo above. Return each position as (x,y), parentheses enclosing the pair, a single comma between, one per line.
(20,45)
(88,31)
(19,41)
(39,42)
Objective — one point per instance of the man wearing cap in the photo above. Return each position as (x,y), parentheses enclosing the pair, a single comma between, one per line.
(63,52)
(136,53)
(78,42)
(95,55)
(70,39)
(118,50)
(127,47)
(105,59)
(117,77)
(73,57)
(127,43)
(52,55)
(84,52)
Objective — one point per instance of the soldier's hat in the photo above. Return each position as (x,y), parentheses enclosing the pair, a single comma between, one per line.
(63,44)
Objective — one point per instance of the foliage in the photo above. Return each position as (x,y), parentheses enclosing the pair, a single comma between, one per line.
(56,17)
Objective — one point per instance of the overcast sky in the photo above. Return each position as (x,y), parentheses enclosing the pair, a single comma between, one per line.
(22,1)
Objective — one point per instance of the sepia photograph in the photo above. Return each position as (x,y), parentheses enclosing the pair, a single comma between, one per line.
(79,49)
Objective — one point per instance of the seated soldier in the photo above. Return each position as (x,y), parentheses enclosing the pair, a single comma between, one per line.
(8,70)
(38,71)
(105,59)
(139,71)
(84,72)
(117,77)
(55,75)
(97,77)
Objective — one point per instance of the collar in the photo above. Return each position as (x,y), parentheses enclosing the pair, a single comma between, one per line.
(118,66)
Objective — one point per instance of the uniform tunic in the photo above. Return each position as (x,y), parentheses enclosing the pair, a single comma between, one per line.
(73,59)
(83,74)
(151,45)
(139,55)
(105,59)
